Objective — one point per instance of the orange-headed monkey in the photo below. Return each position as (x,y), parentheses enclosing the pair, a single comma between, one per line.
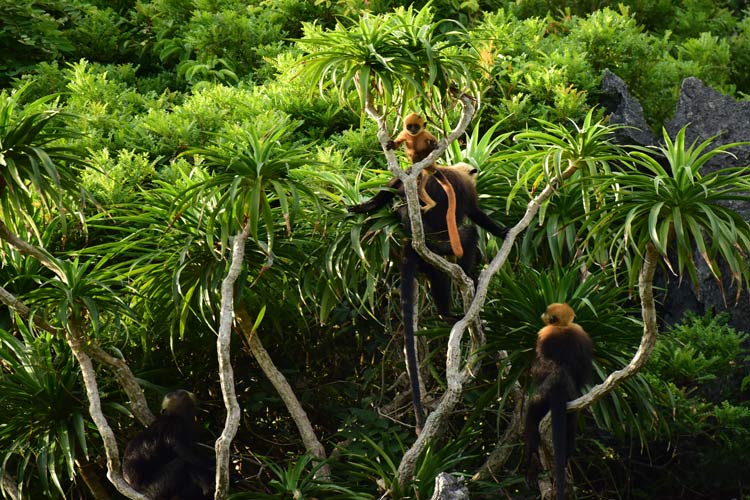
(562,366)
(419,143)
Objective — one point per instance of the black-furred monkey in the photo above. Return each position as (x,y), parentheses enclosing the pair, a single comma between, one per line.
(562,366)
(419,143)
(162,461)
(462,178)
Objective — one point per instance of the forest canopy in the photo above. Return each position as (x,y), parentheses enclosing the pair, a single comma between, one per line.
(176,186)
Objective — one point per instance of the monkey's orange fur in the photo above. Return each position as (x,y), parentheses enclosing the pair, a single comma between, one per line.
(562,366)
(418,143)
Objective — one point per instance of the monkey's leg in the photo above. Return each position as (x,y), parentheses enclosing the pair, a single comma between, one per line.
(470,241)
(409,264)
(424,176)
(440,288)
(538,408)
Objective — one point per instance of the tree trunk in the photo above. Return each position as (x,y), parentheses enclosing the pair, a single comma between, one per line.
(298,414)
(226,374)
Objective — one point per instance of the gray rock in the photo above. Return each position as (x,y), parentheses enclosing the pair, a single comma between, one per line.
(448,487)
(624,109)
(707,113)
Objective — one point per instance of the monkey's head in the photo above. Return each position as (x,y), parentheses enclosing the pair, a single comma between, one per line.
(558,314)
(413,123)
(467,170)
(179,403)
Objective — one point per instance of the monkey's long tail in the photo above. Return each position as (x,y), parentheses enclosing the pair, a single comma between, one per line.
(558,409)
(408,289)
(450,216)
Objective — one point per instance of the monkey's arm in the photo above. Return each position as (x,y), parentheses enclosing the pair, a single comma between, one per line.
(378,201)
(484,221)
(397,142)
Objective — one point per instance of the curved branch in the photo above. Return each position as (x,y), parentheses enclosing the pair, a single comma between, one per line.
(120,368)
(127,381)
(280,383)
(226,374)
(650,330)
(10,486)
(456,375)
(73,337)
(24,248)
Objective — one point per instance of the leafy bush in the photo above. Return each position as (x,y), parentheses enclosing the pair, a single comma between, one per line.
(705,406)
(116,179)
(29,33)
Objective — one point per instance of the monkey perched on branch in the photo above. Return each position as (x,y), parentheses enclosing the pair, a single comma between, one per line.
(419,143)
(562,366)
(462,179)
(162,461)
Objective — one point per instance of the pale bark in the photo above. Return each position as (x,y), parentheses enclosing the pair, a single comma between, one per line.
(74,339)
(25,248)
(648,341)
(124,376)
(457,375)
(226,374)
(280,383)
(120,368)
(10,486)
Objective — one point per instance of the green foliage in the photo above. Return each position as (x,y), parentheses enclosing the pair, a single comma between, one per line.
(708,58)
(43,409)
(114,180)
(740,55)
(35,166)
(388,58)
(99,34)
(251,168)
(704,406)
(673,208)
(297,481)
(29,33)
(698,350)
(373,461)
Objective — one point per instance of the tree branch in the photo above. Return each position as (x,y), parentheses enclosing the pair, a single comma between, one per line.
(10,486)
(120,368)
(455,375)
(226,374)
(648,341)
(27,249)
(73,337)
(280,383)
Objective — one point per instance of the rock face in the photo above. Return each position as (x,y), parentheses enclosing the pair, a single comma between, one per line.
(626,110)
(447,487)
(707,113)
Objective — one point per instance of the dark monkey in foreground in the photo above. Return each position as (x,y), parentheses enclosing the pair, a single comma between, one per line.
(562,366)
(462,178)
(161,461)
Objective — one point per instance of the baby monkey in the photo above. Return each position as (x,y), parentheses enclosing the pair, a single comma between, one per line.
(418,143)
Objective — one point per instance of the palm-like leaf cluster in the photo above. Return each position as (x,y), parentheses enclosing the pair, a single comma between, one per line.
(43,408)
(677,207)
(401,54)
(33,155)
(250,171)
